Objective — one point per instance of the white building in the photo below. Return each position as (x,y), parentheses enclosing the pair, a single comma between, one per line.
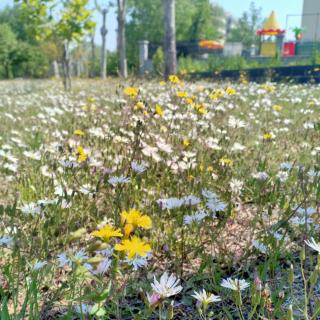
(311,20)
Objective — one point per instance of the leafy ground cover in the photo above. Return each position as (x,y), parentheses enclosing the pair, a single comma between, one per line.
(148,200)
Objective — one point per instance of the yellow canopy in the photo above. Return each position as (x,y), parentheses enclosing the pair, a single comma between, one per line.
(271,22)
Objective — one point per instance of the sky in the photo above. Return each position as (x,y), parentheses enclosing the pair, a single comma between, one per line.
(283,9)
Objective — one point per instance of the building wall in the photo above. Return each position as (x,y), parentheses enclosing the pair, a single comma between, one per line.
(311,20)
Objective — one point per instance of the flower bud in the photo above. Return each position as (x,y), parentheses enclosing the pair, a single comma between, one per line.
(258,283)
(170,311)
(291,275)
(303,254)
(281,295)
(266,292)
(290,313)
(314,276)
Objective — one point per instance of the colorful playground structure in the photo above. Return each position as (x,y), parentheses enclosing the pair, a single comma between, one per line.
(271,36)
(272,41)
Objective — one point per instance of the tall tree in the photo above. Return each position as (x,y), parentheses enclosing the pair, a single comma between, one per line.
(13,16)
(122,11)
(93,55)
(247,26)
(73,22)
(170,52)
(103,32)
(8,44)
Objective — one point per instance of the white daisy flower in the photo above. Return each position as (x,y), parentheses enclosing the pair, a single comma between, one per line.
(236,284)
(170,203)
(204,299)
(138,168)
(39,265)
(167,286)
(118,180)
(313,245)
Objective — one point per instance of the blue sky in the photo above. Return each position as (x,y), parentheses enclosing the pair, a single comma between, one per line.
(235,7)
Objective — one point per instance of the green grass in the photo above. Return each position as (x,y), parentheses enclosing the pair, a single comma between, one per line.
(199,144)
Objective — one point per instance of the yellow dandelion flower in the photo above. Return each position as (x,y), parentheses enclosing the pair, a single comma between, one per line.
(107,232)
(277,108)
(216,95)
(268,136)
(186,142)
(182,94)
(200,108)
(174,79)
(131,92)
(190,177)
(78,132)
(128,229)
(190,101)
(225,162)
(230,91)
(135,218)
(133,247)
(268,87)
(210,168)
(82,156)
(162,83)
(139,106)
(159,110)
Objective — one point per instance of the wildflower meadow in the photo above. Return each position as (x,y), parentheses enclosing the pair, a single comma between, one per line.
(143,199)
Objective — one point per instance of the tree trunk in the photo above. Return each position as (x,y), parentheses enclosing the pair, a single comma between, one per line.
(78,69)
(55,68)
(122,38)
(93,57)
(66,67)
(8,71)
(103,31)
(170,51)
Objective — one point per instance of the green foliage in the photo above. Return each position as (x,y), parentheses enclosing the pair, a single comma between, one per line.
(246,28)
(35,18)
(214,63)
(158,61)
(75,21)
(13,16)
(195,20)
(229,63)
(25,56)
(30,61)
(18,58)
(315,57)
(7,46)
(112,63)
(189,65)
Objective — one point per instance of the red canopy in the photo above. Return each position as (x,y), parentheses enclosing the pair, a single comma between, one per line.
(271,32)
